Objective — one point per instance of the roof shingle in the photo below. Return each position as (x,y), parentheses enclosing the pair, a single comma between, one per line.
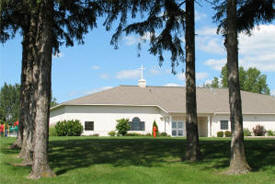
(172,99)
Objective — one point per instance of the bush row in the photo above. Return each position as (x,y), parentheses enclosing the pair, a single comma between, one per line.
(69,128)
(113,133)
(74,128)
(222,134)
(258,130)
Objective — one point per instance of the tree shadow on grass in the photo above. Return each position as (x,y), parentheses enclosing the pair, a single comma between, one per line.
(70,154)
(260,154)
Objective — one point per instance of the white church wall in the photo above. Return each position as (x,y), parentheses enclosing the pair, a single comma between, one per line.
(249,121)
(104,117)
(57,115)
(267,121)
(202,124)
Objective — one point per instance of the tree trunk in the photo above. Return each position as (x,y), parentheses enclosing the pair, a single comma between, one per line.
(192,150)
(23,91)
(28,109)
(238,163)
(40,167)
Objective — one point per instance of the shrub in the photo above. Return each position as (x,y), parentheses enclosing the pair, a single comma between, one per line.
(270,133)
(259,130)
(227,134)
(155,125)
(112,133)
(52,131)
(164,134)
(95,135)
(69,128)
(122,126)
(134,134)
(246,132)
(220,134)
(148,134)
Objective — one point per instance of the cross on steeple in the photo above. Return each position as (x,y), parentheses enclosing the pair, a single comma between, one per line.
(141,71)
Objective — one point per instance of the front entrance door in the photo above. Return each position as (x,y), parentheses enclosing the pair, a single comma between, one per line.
(177,128)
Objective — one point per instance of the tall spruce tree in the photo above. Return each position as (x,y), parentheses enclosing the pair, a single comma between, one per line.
(11,20)
(238,163)
(166,23)
(233,17)
(55,23)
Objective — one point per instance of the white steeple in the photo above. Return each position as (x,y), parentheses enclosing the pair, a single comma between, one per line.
(142,81)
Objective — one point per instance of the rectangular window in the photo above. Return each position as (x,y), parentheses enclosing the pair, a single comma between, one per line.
(180,124)
(224,124)
(89,125)
(174,124)
(177,128)
(174,133)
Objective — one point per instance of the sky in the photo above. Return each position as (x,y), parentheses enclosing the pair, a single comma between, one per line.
(96,65)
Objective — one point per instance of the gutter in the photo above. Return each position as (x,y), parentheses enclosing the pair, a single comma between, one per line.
(123,105)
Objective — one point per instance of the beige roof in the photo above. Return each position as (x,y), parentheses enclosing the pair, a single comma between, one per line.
(172,99)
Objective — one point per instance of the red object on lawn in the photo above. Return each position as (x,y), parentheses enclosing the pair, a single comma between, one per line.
(16,123)
(2,128)
(155,131)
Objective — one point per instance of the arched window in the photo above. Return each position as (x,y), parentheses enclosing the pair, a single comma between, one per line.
(137,125)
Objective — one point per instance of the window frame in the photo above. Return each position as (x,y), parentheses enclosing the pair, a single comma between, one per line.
(222,125)
(92,126)
(178,131)
(140,127)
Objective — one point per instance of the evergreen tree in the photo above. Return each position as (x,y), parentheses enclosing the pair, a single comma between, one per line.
(233,17)
(167,21)
(155,125)
(45,26)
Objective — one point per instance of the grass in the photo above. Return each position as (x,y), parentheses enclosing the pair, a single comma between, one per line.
(140,160)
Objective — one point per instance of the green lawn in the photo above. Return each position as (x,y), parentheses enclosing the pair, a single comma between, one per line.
(140,160)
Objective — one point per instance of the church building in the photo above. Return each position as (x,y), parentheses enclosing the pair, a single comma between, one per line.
(142,105)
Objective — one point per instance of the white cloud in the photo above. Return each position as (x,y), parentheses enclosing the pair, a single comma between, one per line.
(181,76)
(199,16)
(146,36)
(133,40)
(172,84)
(95,67)
(78,93)
(208,81)
(216,64)
(74,93)
(97,90)
(104,76)
(128,74)
(257,50)
(156,70)
(207,31)
(130,40)
(58,55)
(210,45)
(208,41)
(201,75)
(262,40)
